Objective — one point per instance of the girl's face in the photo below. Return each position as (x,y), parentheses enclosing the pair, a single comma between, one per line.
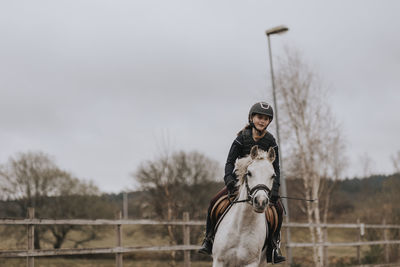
(261,121)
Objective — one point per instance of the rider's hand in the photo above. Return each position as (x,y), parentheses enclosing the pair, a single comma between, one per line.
(231,184)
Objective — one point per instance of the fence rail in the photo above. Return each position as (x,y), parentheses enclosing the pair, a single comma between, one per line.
(90,251)
(119,250)
(96,222)
(178,222)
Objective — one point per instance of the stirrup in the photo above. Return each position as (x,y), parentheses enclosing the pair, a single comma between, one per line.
(277,256)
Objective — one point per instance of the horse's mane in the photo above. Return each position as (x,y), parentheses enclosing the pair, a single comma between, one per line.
(242,164)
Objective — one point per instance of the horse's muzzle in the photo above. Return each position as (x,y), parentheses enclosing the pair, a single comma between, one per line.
(260,203)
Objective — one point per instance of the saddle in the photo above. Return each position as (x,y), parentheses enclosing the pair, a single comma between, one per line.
(222,206)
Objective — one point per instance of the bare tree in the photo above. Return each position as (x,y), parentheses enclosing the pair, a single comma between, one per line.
(366,164)
(313,144)
(396,162)
(176,183)
(33,180)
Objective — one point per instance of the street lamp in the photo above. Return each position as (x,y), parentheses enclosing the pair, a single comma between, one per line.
(271,31)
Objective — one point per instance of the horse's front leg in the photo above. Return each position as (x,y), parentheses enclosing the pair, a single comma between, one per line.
(217,263)
(254,264)
(263,259)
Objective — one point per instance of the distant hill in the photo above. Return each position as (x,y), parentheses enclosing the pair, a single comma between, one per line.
(363,197)
(363,185)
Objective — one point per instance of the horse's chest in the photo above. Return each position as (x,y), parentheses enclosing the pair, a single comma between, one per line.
(240,256)
(244,248)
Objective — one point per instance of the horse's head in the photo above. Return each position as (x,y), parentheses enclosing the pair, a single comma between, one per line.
(256,175)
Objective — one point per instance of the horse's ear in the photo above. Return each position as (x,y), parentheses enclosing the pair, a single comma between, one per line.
(271,154)
(254,152)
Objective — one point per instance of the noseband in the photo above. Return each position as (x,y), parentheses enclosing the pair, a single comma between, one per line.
(252,191)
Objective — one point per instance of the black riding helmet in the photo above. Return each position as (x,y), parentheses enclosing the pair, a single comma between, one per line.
(261,108)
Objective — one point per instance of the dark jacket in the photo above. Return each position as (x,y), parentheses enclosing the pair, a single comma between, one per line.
(241,147)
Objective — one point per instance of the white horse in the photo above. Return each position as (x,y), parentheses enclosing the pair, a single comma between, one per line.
(241,235)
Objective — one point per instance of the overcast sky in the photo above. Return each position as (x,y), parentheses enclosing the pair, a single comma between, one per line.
(103,85)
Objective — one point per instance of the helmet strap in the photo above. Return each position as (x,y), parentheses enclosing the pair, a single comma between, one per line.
(255,128)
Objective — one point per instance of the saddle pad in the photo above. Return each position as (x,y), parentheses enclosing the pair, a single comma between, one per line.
(272,218)
(220,208)
(223,204)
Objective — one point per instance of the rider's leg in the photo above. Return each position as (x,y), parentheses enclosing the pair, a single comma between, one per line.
(206,247)
(276,237)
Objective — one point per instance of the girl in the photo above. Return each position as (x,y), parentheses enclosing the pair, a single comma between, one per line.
(255,133)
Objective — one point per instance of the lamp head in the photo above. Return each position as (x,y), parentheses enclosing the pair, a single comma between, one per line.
(277,30)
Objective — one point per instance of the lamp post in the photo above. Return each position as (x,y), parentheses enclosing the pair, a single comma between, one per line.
(271,31)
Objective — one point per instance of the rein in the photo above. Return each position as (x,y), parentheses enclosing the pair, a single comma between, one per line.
(295,198)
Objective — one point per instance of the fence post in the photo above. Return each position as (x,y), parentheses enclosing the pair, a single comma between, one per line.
(186,240)
(385,237)
(360,235)
(30,262)
(326,256)
(125,205)
(118,230)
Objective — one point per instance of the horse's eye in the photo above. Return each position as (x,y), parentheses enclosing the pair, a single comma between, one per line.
(249,173)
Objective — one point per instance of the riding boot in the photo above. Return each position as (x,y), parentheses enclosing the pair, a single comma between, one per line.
(276,237)
(206,247)
(276,252)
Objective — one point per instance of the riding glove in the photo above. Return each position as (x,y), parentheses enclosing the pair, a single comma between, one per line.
(230,183)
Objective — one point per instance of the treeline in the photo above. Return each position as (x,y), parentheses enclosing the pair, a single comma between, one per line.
(369,199)
(169,185)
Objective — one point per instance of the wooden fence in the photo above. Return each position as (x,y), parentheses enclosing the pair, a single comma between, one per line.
(30,253)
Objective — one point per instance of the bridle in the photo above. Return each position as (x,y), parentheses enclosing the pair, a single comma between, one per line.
(251,192)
